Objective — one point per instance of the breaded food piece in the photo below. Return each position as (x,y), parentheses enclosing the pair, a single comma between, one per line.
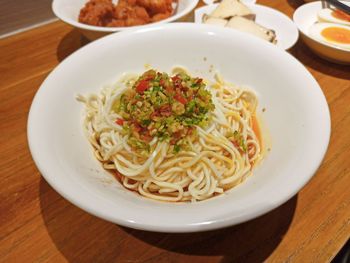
(116,23)
(125,12)
(135,15)
(160,16)
(126,2)
(141,12)
(122,12)
(134,21)
(97,12)
(154,7)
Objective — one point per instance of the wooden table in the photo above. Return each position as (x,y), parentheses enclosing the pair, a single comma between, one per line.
(38,225)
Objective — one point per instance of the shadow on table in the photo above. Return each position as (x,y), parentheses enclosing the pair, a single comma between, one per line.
(71,42)
(295,3)
(309,59)
(252,241)
(81,237)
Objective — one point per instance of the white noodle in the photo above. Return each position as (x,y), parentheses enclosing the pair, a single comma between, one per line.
(211,165)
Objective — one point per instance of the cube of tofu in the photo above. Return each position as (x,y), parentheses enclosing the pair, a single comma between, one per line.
(246,25)
(229,8)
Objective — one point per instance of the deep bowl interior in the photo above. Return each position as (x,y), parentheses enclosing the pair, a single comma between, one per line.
(296,116)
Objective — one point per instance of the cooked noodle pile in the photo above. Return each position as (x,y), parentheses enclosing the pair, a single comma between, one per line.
(217,156)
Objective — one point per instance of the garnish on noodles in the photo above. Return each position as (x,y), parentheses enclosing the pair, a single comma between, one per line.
(165,107)
(174,137)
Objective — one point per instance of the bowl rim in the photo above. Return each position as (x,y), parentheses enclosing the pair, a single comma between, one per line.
(324,44)
(261,7)
(54,6)
(228,220)
(209,2)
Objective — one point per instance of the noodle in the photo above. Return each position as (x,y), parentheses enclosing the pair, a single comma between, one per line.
(216,157)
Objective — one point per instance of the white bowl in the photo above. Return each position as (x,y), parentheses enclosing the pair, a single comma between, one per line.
(68,11)
(297,117)
(304,17)
(209,2)
(286,31)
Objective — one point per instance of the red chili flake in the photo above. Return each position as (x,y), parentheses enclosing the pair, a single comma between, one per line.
(154,115)
(146,137)
(175,78)
(137,127)
(161,82)
(119,121)
(180,98)
(165,110)
(169,90)
(142,86)
(190,131)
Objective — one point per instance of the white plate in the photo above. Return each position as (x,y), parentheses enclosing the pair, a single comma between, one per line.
(286,31)
(296,116)
(68,11)
(209,2)
(304,17)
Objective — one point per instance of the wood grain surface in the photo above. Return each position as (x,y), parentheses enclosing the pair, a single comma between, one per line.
(38,225)
(18,14)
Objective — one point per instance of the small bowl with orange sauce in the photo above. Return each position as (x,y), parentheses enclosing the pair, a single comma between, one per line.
(325,31)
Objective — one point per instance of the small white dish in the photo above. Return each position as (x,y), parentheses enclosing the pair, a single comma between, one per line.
(304,17)
(68,12)
(209,2)
(296,115)
(286,31)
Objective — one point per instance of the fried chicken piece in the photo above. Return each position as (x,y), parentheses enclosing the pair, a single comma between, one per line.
(97,12)
(160,16)
(134,21)
(141,13)
(125,13)
(116,23)
(121,12)
(154,7)
(126,3)
(135,15)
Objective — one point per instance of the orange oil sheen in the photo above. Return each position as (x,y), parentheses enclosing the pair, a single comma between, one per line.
(336,34)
